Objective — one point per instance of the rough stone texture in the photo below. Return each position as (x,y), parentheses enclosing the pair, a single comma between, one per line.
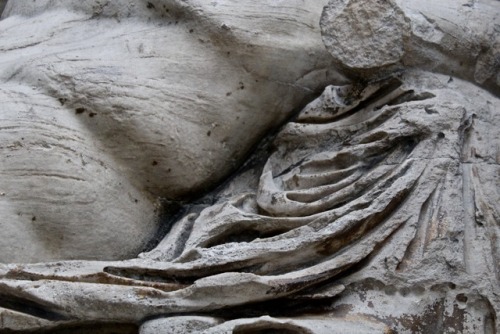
(180,325)
(108,105)
(375,210)
(459,38)
(398,186)
(264,324)
(378,27)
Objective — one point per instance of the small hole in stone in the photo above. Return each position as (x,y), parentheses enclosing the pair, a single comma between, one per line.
(33,219)
(390,290)
(154,163)
(462,298)
(79,110)
(441,135)
(209,133)
(92,114)
(430,110)
(404,292)
(150,5)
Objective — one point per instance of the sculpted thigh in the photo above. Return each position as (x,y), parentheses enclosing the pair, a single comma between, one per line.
(138,85)
(61,196)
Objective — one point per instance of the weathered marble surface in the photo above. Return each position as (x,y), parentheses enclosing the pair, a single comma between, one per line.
(459,38)
(108,105)
(375,210)
(391,180)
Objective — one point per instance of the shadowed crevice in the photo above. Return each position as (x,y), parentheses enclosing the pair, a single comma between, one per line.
(29,307)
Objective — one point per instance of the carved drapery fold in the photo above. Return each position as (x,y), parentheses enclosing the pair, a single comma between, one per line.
(362,183)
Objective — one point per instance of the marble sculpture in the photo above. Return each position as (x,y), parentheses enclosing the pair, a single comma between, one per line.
(268,166)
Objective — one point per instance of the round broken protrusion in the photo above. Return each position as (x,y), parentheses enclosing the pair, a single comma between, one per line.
(364,34)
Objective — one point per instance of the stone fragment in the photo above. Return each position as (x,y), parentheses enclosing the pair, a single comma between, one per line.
(370,39)
(365,34)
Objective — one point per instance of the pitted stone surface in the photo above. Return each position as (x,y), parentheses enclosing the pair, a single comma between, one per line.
(365,34)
